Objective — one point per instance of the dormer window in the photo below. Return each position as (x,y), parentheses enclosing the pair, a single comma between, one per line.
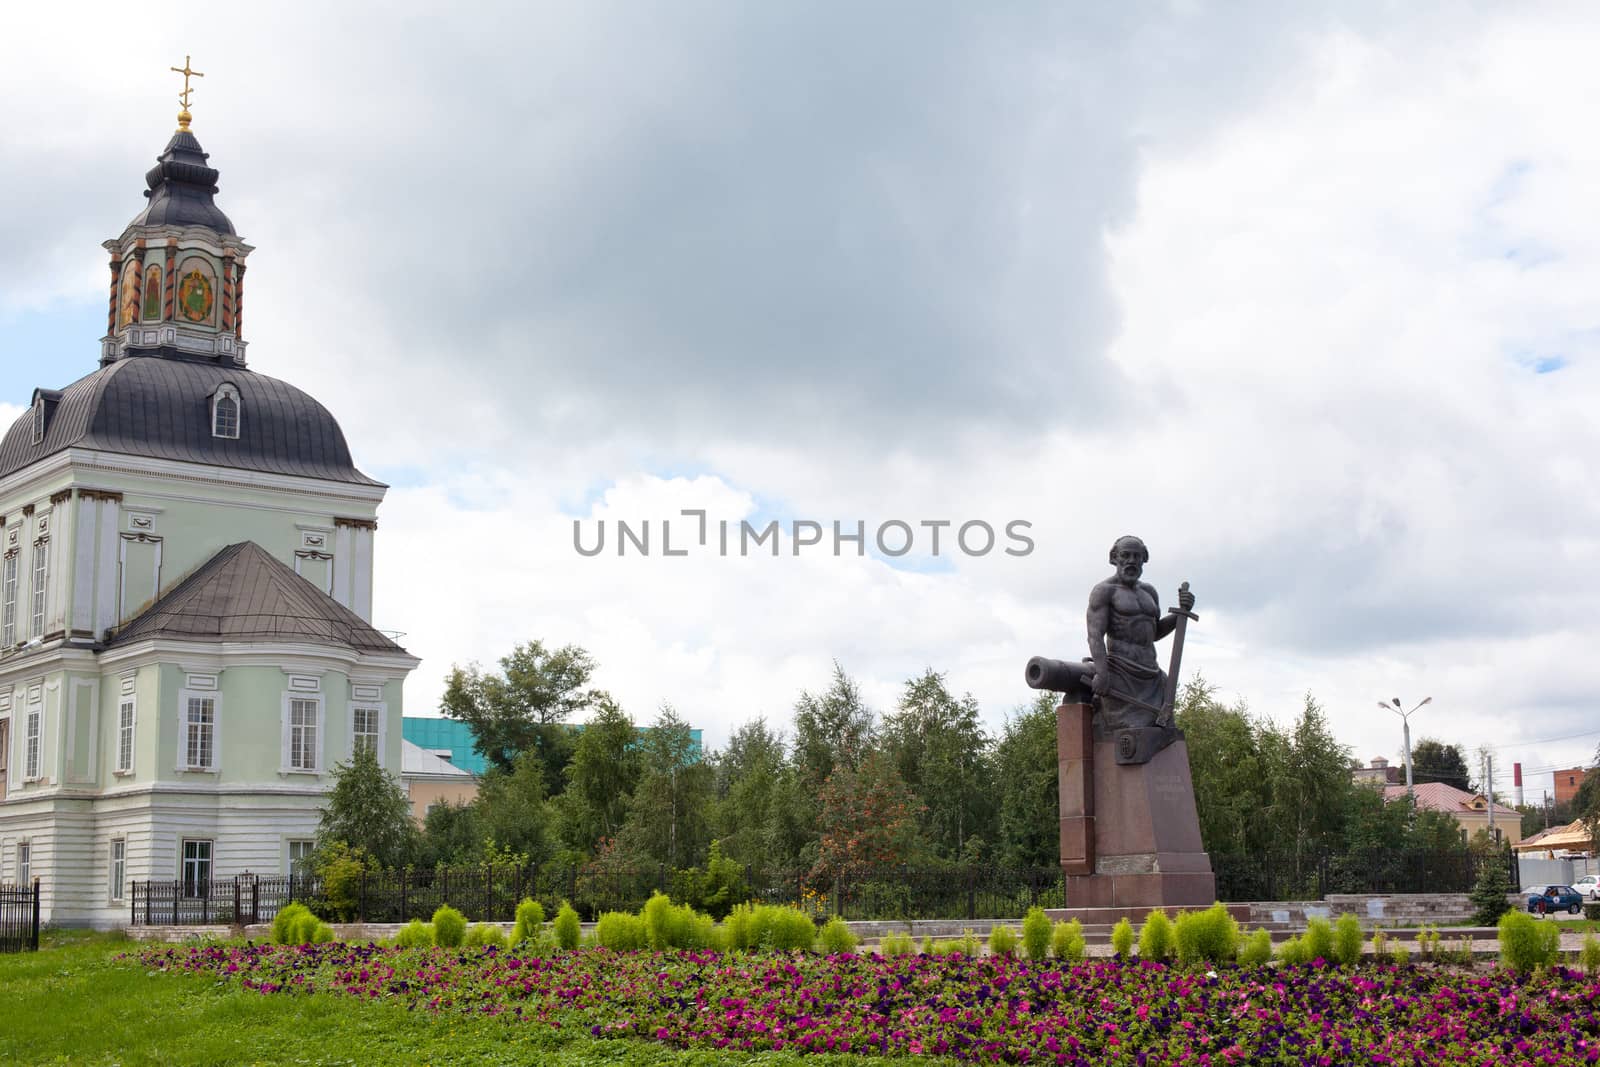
(225,413)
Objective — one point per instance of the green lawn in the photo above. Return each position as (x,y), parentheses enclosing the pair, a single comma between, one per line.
(73,1002)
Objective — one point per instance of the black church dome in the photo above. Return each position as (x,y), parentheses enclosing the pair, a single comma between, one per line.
(181,188)
(161,408)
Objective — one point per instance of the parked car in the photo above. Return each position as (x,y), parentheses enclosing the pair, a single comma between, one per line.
(1589,886)
(1556,898)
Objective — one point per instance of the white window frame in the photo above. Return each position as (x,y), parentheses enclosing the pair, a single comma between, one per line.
(127,723)
(305,846)
(318,726)
(230,394)
(41,584)
(118,872)
(38,420)
(8,599)
(24,863)
(381,711)
(33,739)
(184,698)
(209,862)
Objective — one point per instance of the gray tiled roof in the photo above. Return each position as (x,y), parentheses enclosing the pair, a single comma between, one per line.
(160,407)
(244,593)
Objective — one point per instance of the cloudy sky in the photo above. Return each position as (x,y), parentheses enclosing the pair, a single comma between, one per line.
(1305,295)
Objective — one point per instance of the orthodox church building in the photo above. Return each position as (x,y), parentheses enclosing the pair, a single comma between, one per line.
(186,646)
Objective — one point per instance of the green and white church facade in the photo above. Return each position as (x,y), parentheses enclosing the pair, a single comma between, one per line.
(186,647)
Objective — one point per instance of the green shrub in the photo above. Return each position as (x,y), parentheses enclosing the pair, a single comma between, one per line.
(836,937)
(304,931)
(739,927)
(1347,940)
(1210,936)
(1489,894)
(789,930)
(341,869)
(896,945)
(723,885)
(1526,943)
(1318,939)
(621,931)
(286,923)
(1002,940)
(1066,940)
(1591,911)
(414,934)
(1122,938)
(567,929)
(719,939)
(1399,955)
(927,945)
(1256,950)
(449,926)
(1589,955)
(662,922)
(1294,951)
(1427,941)
(1155,936)
(1036,934)
(1380,942)
(530,917)
(485,935)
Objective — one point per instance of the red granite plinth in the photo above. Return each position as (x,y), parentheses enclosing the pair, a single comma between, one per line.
(1130,834)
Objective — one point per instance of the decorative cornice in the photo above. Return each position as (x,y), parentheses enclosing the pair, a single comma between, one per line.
(27,510)
(60,498)
(357,524)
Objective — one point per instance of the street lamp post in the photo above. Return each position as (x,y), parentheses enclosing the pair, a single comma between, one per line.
(1405,723)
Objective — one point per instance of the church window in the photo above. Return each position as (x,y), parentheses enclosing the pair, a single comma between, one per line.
(364,724)
(24,863)
(41,574)
(152,293)
(225,413)
(196,868)
(125,737)
(119,867)
(8,602)
(200,733)
(303,734)
(30,742)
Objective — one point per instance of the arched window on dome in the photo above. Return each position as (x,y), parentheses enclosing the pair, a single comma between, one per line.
(225,412)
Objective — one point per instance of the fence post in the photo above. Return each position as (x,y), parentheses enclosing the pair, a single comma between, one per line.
(255,901)
(177,891)
(972,894)
(236,916)
(361,897)
(34,938)
(405,880)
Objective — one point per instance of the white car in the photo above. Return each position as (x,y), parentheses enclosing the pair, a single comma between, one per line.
(1589,886)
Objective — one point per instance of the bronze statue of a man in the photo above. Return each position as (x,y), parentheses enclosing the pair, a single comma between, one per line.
(1125,622)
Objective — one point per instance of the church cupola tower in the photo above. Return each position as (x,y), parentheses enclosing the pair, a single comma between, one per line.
(177,271)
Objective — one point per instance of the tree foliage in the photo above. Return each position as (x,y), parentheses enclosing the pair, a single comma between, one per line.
(1434,761)
(367,810)
(523,706)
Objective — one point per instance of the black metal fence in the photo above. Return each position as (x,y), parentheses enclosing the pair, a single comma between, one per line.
(1314,875)
(19,917)
(491,894)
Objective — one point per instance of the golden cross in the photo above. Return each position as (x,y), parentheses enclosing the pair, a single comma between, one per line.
(183,97)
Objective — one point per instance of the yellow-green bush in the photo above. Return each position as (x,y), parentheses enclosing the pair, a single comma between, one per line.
(1210,936)
(836,937)
(1122,938)
(1294,951)
(1256,950)
(1036,934)
(1589,955)
(566,925)
(449,926)
(1347,940)
(1002,940)
(414,934)
(1318,939)
(1526,943)
(1066,940)
(530,917)
(286,924)
(896,945)
(621,931)
(668,925)
(1155,936)
(485,935)
(740,927)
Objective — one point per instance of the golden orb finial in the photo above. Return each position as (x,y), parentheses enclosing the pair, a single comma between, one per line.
(184,118)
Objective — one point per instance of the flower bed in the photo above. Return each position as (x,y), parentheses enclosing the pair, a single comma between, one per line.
(989,1009)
